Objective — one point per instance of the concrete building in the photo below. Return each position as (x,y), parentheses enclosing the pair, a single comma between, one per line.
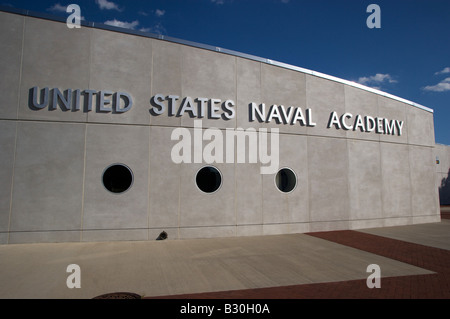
(93,123)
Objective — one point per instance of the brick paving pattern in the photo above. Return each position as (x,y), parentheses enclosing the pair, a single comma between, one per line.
(436,286)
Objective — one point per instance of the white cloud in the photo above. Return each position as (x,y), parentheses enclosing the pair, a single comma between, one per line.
(123,24)
(443,71)
(157,28)
(159,12)
(108,5)
(57,7)
(376,80)
(218,1)
(442,86)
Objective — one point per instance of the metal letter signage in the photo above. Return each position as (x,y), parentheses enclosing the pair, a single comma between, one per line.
(212,108)
(198,107)
(71,100)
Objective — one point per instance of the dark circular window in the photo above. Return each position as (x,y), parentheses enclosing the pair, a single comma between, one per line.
(286,180)
(117,178)
(208,179)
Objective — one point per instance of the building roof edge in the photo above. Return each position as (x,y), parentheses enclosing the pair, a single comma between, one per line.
(213,48)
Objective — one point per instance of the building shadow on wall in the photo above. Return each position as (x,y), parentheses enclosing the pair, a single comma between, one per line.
(444,196)
(444,190)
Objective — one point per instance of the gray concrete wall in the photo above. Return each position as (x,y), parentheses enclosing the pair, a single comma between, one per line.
(53,160)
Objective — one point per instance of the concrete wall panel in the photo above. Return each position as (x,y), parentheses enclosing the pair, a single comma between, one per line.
(328,179)
(393,110)
(50,236)
(10,63)
(48,177)
(208,232)
(420,127)
(366,223)
(166,78)
(248,91)
(295,228)
(423,190)
(4,238)
(7,146)
(211,76)
(275,229)
(107,145)
(117,68)
(249,230)
(359,102)
(203,209)
(249,194)
(54,56)
(283,87)
(280,207)
(396,181)
(164,182)
(114,235)
(364,180)
(317,226)
(323,97)
(207,209)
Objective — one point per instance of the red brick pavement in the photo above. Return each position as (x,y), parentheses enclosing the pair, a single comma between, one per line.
(436,286)
(445,212)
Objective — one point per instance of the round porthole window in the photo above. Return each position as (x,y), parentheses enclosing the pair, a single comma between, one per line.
(208,179)
(117,178)
(286,180)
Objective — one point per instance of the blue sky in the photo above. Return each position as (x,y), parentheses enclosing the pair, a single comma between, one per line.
(409,56)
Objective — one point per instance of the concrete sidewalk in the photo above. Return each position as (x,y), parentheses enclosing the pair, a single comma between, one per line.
(174,267)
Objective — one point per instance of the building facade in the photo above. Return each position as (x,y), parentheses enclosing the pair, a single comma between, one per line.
(112,134)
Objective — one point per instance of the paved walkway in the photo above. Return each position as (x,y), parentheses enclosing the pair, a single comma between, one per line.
(402,243)
(315,265)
